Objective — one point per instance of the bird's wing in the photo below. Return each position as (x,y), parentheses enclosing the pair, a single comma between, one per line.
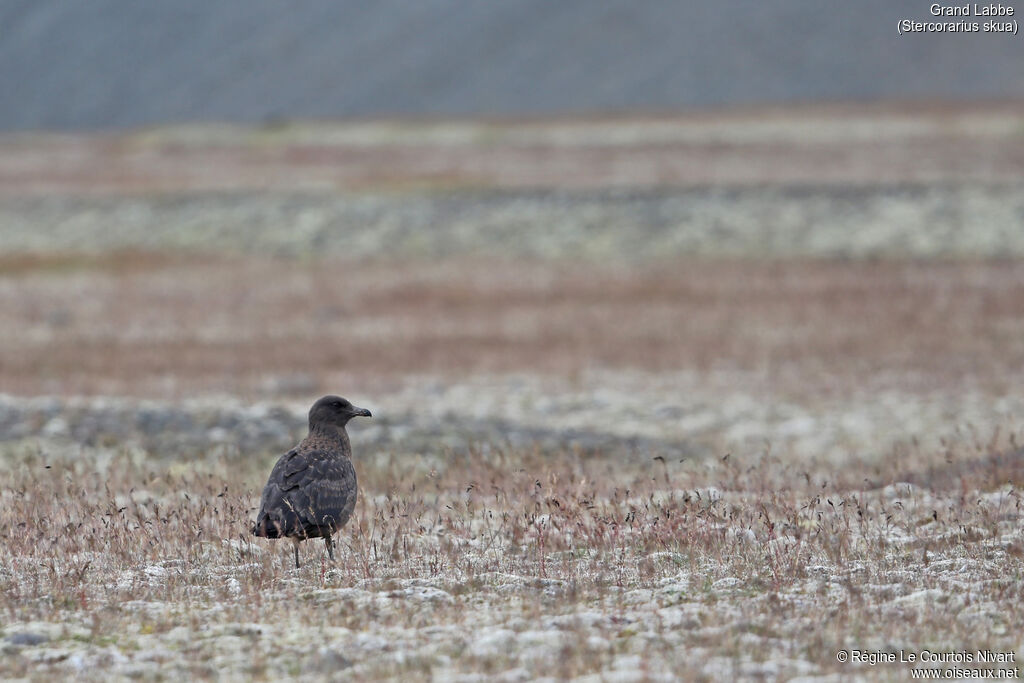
(269,522)
(276,478)
(308,492)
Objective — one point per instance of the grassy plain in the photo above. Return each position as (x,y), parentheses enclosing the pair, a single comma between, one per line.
(738,438)
(504,560)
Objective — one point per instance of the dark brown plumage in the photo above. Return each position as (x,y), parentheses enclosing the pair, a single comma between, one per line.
(311,491)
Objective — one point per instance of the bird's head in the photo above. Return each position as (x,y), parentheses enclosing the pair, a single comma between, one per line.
(334,411)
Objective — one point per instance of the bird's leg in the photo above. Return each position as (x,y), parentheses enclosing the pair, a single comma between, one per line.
(329,542)
(296,542)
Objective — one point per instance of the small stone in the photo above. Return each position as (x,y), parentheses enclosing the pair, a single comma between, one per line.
(326,661)
(27,638)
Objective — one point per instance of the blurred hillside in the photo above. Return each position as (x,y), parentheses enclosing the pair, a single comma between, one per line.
(112,63)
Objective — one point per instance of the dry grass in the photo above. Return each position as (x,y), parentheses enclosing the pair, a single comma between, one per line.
(518,563)
(134,324)
(501,562)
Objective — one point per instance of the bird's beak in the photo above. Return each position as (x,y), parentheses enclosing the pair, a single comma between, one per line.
(363,412)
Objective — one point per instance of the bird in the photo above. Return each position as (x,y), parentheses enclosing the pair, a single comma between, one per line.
(311,492)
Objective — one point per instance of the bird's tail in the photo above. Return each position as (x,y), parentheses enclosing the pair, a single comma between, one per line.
(267,528)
